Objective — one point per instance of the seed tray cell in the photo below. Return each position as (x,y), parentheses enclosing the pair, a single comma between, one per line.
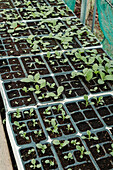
(58,62)
(84,35)
(62,123)
(9,15)
(31,124)
(72,87)
(24,147)
(105,110)
(58,11)
(35,64)
(11,69)
(102,158)
(85,118)
(5,4)
(18,97)
(76,162)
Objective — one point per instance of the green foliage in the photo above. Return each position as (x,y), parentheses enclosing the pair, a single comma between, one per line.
(82,151)
(18,125)
(34,165)
(61,144)
(89,136)
(42,147)
(69,156)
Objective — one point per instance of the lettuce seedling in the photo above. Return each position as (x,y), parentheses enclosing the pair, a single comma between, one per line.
(82,151)
(89,136)
(69,156)
(61,144)
(42,147)
(50,162)
(17,114)
(34,165)
(18,125)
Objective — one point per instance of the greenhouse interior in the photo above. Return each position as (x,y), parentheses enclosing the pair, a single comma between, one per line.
(56,84)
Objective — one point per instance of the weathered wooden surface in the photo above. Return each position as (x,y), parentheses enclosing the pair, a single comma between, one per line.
(5,161)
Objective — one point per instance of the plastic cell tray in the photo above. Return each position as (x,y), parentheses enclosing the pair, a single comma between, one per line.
(103,133)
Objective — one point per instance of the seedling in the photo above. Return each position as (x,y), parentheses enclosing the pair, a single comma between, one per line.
(98,148)
(58,108)
(99,100)
(74,142)
(82,151)
(69,156)
(86,100)
(50,162)
(89,136)
(64,116)
(30,151)
(29,112)
(42,147)
(39,62)
(23,135)
(17,114)
(69,128)
(54,128)
(34,122)
(61,144)
(50,85)
(47,111)
(34,165)
(111,150)
(18,125)
(38,133)
(56,96)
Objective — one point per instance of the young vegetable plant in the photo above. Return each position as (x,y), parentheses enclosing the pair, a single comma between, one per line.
(50,162)
(61,144)
(38,133)
(98,148)
(111,150)
(18,125)
(34,122)
(99,100)
(42,147)
(30,151)
(30,112)
(74,142)
(69,156)
(17,114)
(82,151)
(56,96)
(86,100)
(64,116)
(54,128)
(89,136)
(23,135)
(58,108)
(69,128)
(47,111)
(34,165)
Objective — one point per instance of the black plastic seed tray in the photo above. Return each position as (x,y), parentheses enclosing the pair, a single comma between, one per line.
(94,159)
(78,86)
(63,122)
(11,68)
(43,65)
(9,15)
(45,12)
(34,64)
(18,96)
(5,4)
(19,29)
(27,121)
